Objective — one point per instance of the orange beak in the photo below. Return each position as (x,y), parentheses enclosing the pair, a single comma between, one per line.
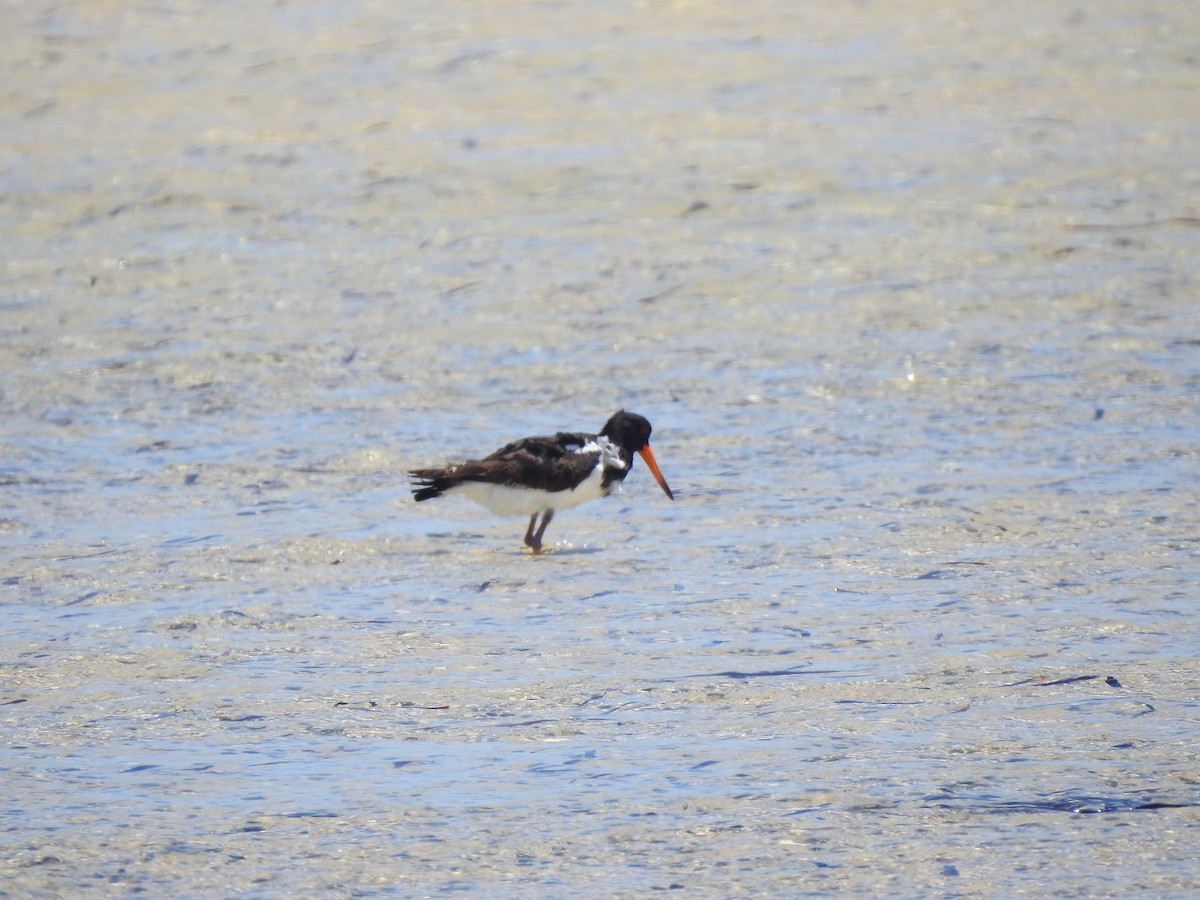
(648,456)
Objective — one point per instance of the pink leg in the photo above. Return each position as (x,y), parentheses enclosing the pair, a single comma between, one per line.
(533,540)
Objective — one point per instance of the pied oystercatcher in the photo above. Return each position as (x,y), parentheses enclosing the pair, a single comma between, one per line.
(542,475)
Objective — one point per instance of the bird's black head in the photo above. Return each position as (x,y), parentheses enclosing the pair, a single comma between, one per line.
(627,430)
(631,433)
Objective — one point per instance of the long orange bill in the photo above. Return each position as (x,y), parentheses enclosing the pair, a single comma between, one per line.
(648,456)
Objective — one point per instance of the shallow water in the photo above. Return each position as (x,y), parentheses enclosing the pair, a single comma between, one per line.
(910,295)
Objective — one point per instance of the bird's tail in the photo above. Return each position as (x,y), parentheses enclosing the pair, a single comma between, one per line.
(430,483)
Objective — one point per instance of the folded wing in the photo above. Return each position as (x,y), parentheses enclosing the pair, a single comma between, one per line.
(552,463)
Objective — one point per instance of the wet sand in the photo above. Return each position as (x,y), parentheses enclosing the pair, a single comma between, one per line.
(910,295)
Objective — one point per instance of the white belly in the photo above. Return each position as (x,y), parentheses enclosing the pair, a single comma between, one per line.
(504,500)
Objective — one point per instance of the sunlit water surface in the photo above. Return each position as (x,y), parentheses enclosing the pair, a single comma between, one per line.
(909,294)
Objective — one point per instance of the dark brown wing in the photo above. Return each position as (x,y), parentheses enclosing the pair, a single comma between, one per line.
(550,463)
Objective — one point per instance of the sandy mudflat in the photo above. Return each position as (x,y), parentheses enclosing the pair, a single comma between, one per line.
(908,290)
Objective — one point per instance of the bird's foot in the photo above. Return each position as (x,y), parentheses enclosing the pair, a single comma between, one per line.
(533,539)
